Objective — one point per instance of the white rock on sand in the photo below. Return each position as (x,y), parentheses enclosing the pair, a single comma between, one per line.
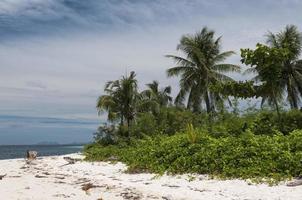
(50,178)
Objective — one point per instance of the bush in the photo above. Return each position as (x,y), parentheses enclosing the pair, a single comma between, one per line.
(268,123)
(146,124)
(265,123)
(246,156)
(290,121)
(229,125)
(105,135)
(172,120)
(168,122)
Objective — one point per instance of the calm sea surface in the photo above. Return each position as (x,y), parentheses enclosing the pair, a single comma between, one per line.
(19,151)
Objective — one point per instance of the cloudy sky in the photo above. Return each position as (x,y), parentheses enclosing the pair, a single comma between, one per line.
(56,55)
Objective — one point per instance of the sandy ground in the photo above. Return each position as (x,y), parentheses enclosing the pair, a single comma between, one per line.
(51,178)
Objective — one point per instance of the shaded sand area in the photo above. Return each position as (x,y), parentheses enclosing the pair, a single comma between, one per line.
(53,178)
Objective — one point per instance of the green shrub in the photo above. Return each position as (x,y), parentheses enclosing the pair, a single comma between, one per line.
(245,156)
(290,121)
(105,135)
(268,123)
(264,123)
(229,125)
(172,120)
(146,124)
(168,121)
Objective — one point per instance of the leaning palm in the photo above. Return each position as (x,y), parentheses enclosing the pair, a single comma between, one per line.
(202,66)
(291,81)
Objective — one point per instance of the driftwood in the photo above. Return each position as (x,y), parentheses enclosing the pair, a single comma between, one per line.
(70,161)
(88,186)
(294,183)
(39,176)
(2,176)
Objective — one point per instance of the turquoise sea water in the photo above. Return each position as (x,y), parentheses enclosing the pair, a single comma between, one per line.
(19,151)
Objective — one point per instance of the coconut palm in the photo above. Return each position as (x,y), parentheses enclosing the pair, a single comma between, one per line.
(120,99)
(201,66)
(291,39)
(154,97)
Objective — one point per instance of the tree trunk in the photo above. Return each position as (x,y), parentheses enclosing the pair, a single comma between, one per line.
(128,127)
(292,98)
(209,111)
(277,107)
(208,104)
(122,120)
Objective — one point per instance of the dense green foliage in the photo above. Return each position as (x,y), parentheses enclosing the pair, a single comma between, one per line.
(240,89)
(277,67)
(244,156)
(120,99)
(150,133)
(267,62)
(201,67)
(267,123)
(291,81)
(254,145)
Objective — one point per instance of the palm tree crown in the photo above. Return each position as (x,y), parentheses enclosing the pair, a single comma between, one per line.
(291,39)
(120,99)
(202,66)
(154,98)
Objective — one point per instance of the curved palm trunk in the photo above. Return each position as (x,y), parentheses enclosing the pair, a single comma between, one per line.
(276,106)
(208,103)
(128,127)
(291,95)
(209,110)
(122,120)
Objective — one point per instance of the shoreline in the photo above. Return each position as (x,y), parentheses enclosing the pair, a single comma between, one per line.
(51,177)
(42,157)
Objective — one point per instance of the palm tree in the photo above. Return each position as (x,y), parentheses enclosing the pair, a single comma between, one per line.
(291,39)
(120,99)
(202,66)
(154,98)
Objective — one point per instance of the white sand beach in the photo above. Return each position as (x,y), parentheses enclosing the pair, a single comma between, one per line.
(51,178)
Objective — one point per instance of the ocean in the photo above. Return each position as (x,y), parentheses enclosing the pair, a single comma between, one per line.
(19,151)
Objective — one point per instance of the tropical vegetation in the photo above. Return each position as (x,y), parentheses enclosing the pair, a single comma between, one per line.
(204,129)
(201,67)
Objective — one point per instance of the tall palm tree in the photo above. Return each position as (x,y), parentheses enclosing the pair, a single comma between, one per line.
(153,98)
(202,66)
(120,99)
(291,39)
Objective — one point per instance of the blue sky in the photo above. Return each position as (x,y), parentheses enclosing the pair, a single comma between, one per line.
(56,55)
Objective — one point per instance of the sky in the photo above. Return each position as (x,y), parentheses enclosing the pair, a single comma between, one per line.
(56,55)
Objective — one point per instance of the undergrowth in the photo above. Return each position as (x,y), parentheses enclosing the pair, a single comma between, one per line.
(247,156)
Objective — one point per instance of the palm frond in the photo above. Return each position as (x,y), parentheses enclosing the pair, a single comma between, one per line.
(271,40)
(226,68)
(221,77)
(176,71)
(250,71)
(222,56)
